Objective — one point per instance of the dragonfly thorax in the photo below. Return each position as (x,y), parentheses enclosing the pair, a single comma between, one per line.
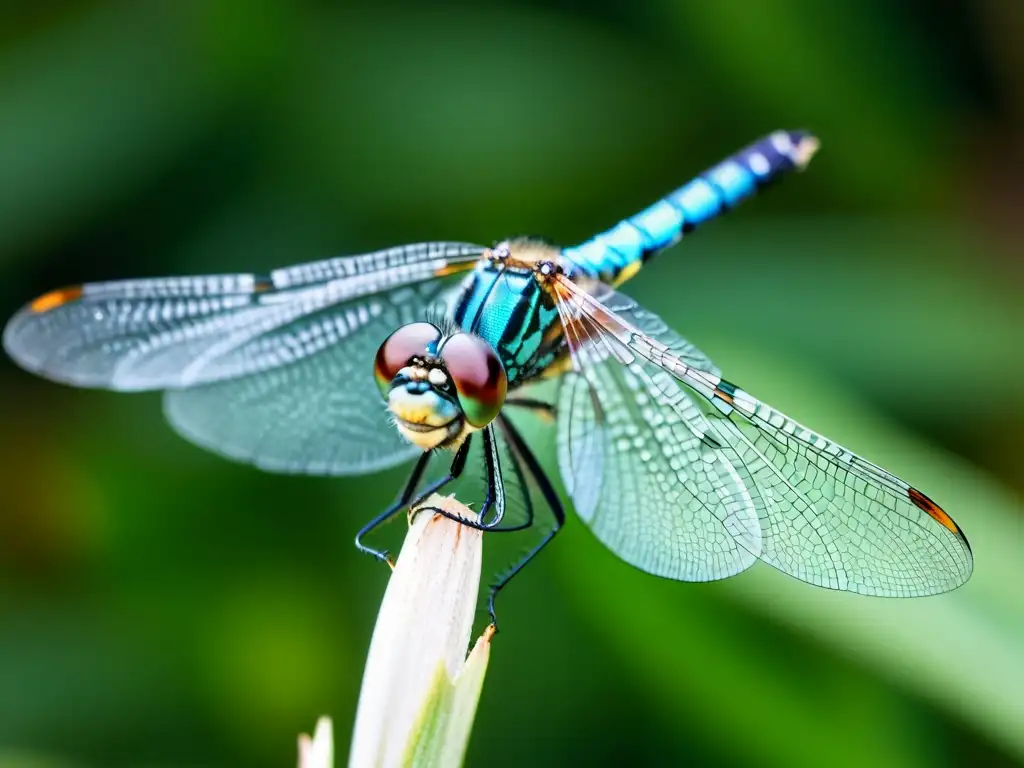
(438,387)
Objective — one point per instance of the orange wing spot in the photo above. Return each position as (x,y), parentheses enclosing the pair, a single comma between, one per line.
(56,298)
(933,510)
(454,269)
(262,285)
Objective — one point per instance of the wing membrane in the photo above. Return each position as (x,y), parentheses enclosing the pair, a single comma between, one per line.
(316,410)
(634,459)
(163,333)
(827,516)
(275,371)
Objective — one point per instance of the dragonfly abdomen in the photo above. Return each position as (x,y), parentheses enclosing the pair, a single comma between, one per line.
(616,255)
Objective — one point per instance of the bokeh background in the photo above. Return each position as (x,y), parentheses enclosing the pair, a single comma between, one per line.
(160,606)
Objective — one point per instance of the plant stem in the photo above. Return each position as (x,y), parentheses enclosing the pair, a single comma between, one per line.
(412,710)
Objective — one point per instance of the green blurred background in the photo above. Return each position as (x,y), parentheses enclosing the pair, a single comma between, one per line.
(160,606)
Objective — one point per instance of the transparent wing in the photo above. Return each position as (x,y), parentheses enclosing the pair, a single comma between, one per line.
(302,397)
(163,333)
(647,323)
(587,350)
(826,515)
(275,371)
(634,460)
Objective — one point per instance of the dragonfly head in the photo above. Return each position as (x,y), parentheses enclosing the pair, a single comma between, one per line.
(439,387)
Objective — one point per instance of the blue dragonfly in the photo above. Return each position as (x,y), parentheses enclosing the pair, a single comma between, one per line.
(677,470)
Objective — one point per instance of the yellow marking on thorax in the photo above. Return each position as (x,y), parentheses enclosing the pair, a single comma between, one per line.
(552,334)
(561,364)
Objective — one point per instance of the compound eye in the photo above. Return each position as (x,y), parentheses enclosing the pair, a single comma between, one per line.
(399,348)
(478,375)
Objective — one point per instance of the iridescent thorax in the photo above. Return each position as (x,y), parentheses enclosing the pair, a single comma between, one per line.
(505,304)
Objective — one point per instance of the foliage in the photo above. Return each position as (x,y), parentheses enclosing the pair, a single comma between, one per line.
(160,606)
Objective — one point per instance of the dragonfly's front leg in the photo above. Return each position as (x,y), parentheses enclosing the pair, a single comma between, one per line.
(458,464)
(454,472)
(554,504)
(493,501)
(544,410)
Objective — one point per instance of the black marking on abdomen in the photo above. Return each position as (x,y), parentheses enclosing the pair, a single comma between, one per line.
(723,201)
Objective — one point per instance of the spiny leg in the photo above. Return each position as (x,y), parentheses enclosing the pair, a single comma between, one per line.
(407,493)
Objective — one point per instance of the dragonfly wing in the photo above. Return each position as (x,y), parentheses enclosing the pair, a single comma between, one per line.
(650,325)
(827,516)
(276,371)
(316,409)
(584,434)
(160,333)
(633,457)
(93,335)
(835,519)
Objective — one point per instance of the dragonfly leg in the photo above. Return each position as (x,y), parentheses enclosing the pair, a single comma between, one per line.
(403,498)
(545,410)
(458,464)
(496,499)
(554,504)
(407,493)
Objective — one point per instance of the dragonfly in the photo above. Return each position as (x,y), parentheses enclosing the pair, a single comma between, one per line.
(353,364)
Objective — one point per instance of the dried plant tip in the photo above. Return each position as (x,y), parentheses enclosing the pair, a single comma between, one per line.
(419,691)
(317,752)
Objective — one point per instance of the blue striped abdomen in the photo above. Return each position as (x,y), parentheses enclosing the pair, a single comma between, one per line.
(617,255)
